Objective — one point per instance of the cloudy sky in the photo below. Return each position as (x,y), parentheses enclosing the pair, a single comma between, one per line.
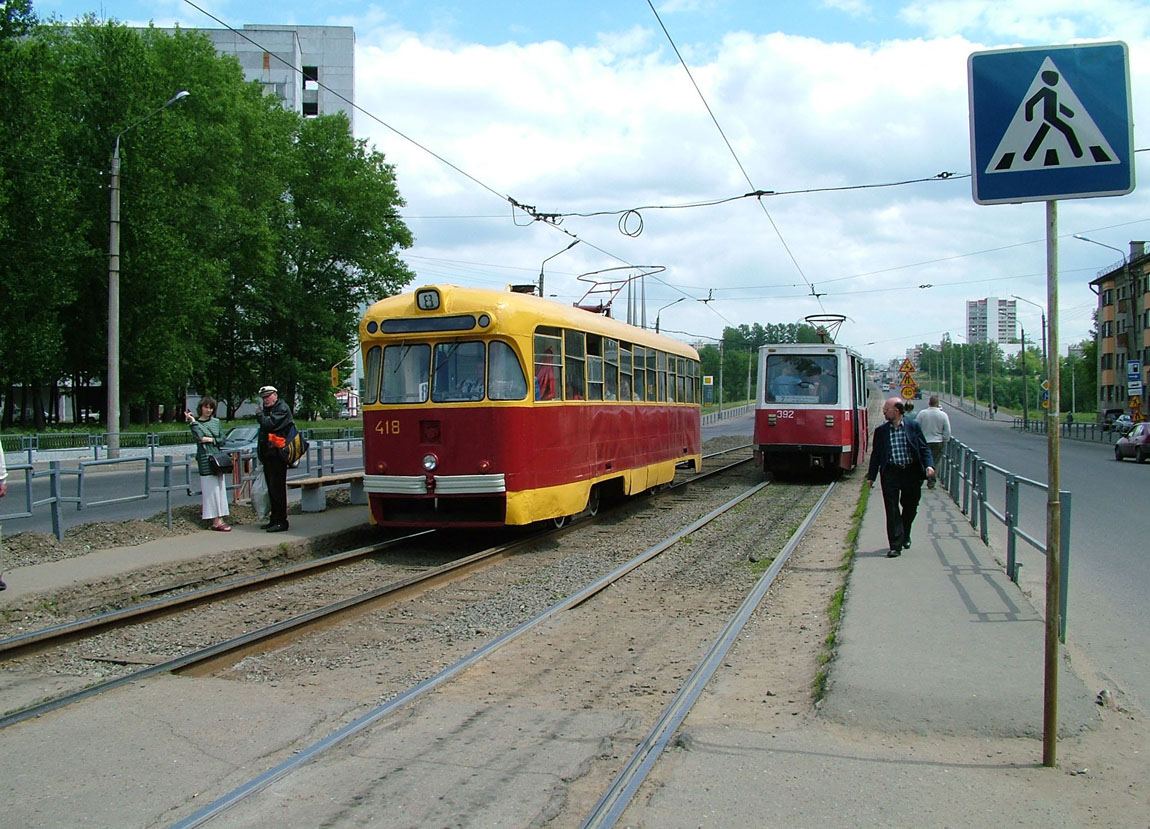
(853,114)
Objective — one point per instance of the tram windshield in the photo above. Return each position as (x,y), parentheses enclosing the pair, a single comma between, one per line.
(802,378)
(463,372)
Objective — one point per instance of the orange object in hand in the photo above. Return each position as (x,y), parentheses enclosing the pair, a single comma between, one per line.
(276,441)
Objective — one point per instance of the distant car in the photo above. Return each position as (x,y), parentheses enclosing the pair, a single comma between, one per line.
(347,414)
(917,393)
(1122,424)
(1134,444)
(242,438)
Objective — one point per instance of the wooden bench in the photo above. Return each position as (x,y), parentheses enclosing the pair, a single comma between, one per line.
(312,497)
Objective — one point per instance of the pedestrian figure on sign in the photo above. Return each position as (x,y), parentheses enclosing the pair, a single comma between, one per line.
(1051,112)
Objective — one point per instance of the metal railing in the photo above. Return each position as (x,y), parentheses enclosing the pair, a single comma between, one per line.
(69,484)
(966,478)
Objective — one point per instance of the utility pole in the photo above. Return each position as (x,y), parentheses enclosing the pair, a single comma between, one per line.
(1025,391)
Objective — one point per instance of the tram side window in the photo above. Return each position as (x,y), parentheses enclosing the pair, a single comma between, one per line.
(640,373)
(548,359)
(696,395)
(371,366)
(624,372)
(460,372)
(594,367)
(672,383)
(653,383)
(611,369)
(505,380)
(406,373)
(681,379)
(574,359)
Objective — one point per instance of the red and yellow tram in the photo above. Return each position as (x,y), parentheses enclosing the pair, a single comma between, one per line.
(812,408)
(485,408)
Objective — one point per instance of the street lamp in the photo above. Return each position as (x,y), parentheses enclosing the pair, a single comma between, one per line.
(548,259)
(660,311)
(113,414)
(1045,361)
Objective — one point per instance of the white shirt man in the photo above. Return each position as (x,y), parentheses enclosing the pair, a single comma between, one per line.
(935,425)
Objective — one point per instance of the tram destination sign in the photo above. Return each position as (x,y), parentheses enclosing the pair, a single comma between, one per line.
(1050,122)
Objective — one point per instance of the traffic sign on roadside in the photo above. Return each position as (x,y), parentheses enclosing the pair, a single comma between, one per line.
(907,392)
(1050,122)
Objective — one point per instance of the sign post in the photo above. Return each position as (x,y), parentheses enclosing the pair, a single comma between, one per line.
(1049,123)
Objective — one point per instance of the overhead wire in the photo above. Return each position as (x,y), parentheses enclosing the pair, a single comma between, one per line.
(735,155)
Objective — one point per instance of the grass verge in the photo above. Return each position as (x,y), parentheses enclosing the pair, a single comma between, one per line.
(835,606)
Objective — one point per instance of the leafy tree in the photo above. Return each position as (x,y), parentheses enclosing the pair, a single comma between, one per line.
(16,19)
(339,238)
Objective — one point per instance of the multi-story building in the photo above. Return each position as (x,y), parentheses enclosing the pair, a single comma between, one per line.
(311,68)
(1123,291)
(991,320)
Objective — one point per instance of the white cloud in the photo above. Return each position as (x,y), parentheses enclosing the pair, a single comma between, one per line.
(619,125)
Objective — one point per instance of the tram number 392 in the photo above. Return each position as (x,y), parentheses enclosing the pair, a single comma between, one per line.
(387,427)
(784,413)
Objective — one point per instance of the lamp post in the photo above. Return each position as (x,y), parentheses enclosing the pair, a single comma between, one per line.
(548,259)
(1131,315)
(1045,362)
(113,413)
(660,311)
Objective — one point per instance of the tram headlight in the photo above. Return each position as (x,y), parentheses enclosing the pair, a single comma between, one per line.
(430,462)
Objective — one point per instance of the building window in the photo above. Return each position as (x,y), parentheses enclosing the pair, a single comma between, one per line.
(311,77)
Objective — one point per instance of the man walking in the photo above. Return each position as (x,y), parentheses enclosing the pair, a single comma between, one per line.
(935,425)
(900,455)
(275,422)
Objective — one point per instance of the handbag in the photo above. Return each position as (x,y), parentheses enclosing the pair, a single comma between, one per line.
(294,448)
(220,462)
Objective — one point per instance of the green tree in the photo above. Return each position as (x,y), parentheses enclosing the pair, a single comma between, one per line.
(339,241)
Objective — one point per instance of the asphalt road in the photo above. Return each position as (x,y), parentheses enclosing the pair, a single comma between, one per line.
(1107,615)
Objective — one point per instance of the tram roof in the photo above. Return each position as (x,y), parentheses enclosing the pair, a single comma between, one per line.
(513,311)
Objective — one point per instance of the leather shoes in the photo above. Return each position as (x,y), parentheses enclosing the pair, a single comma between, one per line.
(893,552)
(268,525)
(906,544)
(277,528)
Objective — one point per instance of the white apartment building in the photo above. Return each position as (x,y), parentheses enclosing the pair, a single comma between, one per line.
(991,320)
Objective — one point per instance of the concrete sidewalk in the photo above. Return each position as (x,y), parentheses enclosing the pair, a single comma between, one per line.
(939,666)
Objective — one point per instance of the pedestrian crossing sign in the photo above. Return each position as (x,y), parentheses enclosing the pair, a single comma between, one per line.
(1050,122)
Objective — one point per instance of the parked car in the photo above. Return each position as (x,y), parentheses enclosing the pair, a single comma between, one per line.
(1134,444)
(242,438)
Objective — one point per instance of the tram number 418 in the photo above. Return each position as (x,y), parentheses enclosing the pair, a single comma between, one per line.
(387,427)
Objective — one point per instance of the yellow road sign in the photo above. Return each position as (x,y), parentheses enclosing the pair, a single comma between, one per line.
(907,365)
(907,380)
(907,392)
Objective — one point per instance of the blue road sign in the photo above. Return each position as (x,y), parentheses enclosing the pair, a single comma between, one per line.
(1050,122)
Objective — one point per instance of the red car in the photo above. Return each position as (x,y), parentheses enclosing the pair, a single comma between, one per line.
(1134,444)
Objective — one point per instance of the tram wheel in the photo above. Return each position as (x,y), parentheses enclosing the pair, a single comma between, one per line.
(593,501)
(560,522)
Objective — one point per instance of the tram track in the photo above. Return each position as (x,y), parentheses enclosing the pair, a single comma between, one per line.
(205,660)
(630,778)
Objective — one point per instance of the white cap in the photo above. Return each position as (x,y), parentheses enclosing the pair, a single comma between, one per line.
(266,390)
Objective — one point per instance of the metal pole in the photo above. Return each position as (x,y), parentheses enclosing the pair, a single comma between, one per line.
(1053,504)
(113,379)
(112,415)
(1025,391)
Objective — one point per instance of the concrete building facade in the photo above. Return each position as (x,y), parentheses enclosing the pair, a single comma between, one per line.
(1123,292)
(991,320)
(311,68)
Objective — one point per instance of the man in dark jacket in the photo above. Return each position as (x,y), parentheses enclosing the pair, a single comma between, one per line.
(900,455)
(275,421)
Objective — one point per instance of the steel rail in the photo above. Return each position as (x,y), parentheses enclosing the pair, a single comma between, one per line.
(58,634)
(305,756)
(204,655)
(626,784)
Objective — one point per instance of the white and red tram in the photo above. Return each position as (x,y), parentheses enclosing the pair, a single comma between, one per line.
(811,412)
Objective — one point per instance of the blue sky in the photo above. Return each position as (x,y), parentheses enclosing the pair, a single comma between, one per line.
(581,107)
